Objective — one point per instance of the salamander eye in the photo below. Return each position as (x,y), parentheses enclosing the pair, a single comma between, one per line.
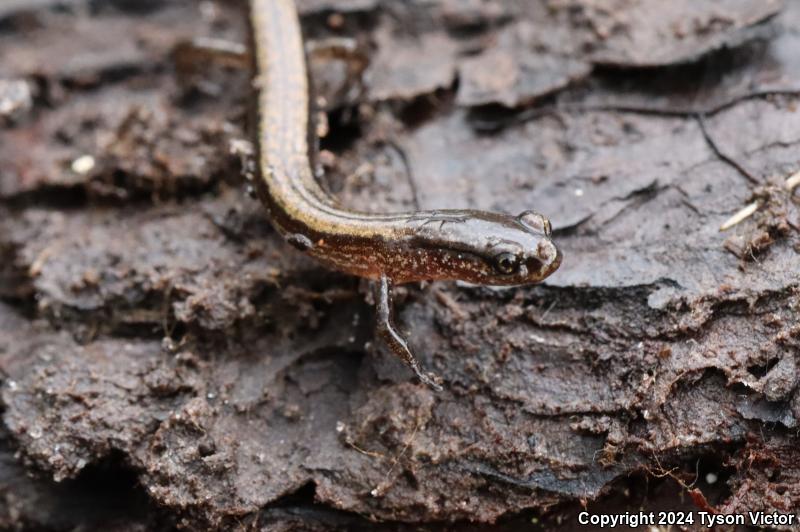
(507,263)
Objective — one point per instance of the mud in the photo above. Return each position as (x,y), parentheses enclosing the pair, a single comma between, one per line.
(168,362)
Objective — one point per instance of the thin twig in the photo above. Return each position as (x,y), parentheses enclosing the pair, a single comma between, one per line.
(792,182)
(533,113)
(740,216)
(722,156)
(378,491)
(412,184)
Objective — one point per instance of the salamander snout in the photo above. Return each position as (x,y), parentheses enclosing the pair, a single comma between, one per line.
(521,250)
(543,257)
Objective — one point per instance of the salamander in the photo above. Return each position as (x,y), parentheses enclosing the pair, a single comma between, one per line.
(475,246)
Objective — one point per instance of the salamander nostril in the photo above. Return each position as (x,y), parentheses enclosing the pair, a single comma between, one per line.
(546,250)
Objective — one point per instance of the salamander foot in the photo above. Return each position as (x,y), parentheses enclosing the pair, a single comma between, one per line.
(386,330)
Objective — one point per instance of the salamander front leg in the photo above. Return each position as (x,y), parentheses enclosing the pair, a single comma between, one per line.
(387,331)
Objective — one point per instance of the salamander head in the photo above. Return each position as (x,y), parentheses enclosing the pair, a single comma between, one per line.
(490,249)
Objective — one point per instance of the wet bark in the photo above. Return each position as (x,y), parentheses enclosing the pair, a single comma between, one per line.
(168,361)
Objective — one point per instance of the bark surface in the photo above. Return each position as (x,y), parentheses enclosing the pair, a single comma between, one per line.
(167,361)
